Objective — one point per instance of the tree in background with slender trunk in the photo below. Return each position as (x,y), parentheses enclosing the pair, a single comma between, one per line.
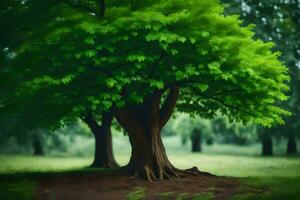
(103,156)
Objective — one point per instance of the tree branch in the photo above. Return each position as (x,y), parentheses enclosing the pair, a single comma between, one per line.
(91,122)
(109,73)
(107,119)
(156,64)
(124,115)
(227,91)
(151,103)
(237,90)
(222,102)
(169,105)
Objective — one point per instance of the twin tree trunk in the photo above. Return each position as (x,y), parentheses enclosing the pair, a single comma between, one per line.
(291,144)
(143,124)
(103,157)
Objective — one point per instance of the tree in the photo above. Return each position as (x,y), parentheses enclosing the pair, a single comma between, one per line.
(278,21)
(234,133)
(265,136)
(52,100)
(33,140)
(142,60)
(196,129)
(103,141)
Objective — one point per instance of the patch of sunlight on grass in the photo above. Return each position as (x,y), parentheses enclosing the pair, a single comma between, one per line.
(239,166)
(220,164)
(225,160)
(272,188)
(23,164)
(225,165)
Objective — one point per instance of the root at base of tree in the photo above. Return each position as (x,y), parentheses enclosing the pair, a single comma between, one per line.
(167,173)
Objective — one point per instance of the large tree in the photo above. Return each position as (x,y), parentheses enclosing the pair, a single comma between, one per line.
(45,101)
(140,60)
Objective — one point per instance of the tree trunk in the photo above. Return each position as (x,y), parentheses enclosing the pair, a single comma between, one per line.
(103,157)
(148,157)
(267,145)
(37,147)
(143,124)
(196,140)
(291,145)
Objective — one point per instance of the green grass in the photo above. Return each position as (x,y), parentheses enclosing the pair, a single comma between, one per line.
(240,166)
(278,176)
(17,189)
(275,188)
(139,194)
(225,165)
(11,164)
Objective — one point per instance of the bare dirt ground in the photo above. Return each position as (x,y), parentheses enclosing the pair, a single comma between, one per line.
(117,186)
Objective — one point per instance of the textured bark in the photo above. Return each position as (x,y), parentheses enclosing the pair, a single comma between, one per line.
(291,144)
(267,145)
(103,156)
(148,158)
(143,124)
(37,147)
(196,140)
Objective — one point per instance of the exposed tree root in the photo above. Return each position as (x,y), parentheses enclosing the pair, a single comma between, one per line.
(196,172)
(110,165)
(167,173)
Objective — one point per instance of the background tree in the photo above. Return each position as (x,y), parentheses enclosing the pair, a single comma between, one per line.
(134,60)
(103,156)
(233,132)
(195,129)
(265,136)
(60,102)
(31,140)
(278,21)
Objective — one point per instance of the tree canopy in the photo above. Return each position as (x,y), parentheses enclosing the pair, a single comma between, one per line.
(64,59)
(278,21)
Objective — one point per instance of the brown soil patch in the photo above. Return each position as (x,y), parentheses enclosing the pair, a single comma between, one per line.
(116,186)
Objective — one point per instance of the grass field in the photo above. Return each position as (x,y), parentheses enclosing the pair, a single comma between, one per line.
(278,176)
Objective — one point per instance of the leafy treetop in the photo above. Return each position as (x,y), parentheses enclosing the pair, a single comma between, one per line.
(71,60)
(278,21)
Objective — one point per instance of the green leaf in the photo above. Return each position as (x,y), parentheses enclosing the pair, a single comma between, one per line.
(157,84)
(110,82)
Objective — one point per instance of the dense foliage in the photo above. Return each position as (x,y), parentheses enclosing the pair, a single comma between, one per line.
(278,21)
(63,59)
